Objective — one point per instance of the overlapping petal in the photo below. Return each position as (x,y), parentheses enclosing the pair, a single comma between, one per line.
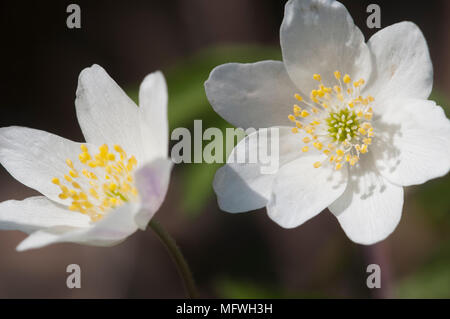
(255,95)
(153,116)
(38,212)
(320,37)
(34,157)
(413,143)
(245,182)
(106,114)
(370,208)
(300,191)
(115,227)
(402,64)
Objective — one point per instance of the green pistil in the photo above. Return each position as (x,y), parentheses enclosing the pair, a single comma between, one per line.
(345,119)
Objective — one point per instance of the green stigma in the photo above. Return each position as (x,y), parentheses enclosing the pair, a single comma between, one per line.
(342,125)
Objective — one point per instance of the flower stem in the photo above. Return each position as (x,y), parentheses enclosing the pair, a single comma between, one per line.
(177,257)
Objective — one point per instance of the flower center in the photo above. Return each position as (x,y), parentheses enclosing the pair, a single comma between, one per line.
(98,183)
(336,120)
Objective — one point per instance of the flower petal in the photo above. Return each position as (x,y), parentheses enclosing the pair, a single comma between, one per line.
(402,63)
(371,207)
(152,181)
(106,114)
(319,37)
(153,116)
(115,227)
(38,212)
(245,183)
(301,191)
(413,145)
(253,95)
(34,157)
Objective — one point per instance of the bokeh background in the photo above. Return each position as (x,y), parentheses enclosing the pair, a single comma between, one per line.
(244,255)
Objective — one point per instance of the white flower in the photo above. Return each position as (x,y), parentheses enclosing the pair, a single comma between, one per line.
(99,192)
(349,145)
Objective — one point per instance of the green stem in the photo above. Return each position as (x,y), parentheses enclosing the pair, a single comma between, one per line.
(177,257)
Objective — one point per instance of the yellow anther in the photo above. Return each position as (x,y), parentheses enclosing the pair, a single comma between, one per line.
(354,160)
(292,118)
(348,157)
(337,75)
(340,152)
(309,129)
(103,149)
(84,148)
(306,139)
(304,113)
(295,130)
(317,77)
(297,109)
(317,164)
(327,152)
(337,89)
(318,145)
(367,141)
(298,97)
(364,149)
(351,104)
(338,166)
(347,79)
(73,173)
(68,178)
(69,163)
(362,131)
(305,149)
(298,124)
(63,196)
(55,181)
(112,187)
(368,116)
(76,185)
(111,157)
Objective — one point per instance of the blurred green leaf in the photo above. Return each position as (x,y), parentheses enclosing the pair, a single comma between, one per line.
(432,281)
(432,196)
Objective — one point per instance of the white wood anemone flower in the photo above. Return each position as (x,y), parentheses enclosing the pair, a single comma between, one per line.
(99,192)
(355,125)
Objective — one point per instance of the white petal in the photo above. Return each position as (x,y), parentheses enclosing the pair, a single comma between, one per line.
(246,183)
(371,207)
(34,157)
(106,114)
(412,143)
(402,64)
(38,212)
(301,191)
(152,181)
(111,230)
(253,95)
(319,36)
(153,116)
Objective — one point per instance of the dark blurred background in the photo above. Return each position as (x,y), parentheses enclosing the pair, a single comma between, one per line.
(234,256)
